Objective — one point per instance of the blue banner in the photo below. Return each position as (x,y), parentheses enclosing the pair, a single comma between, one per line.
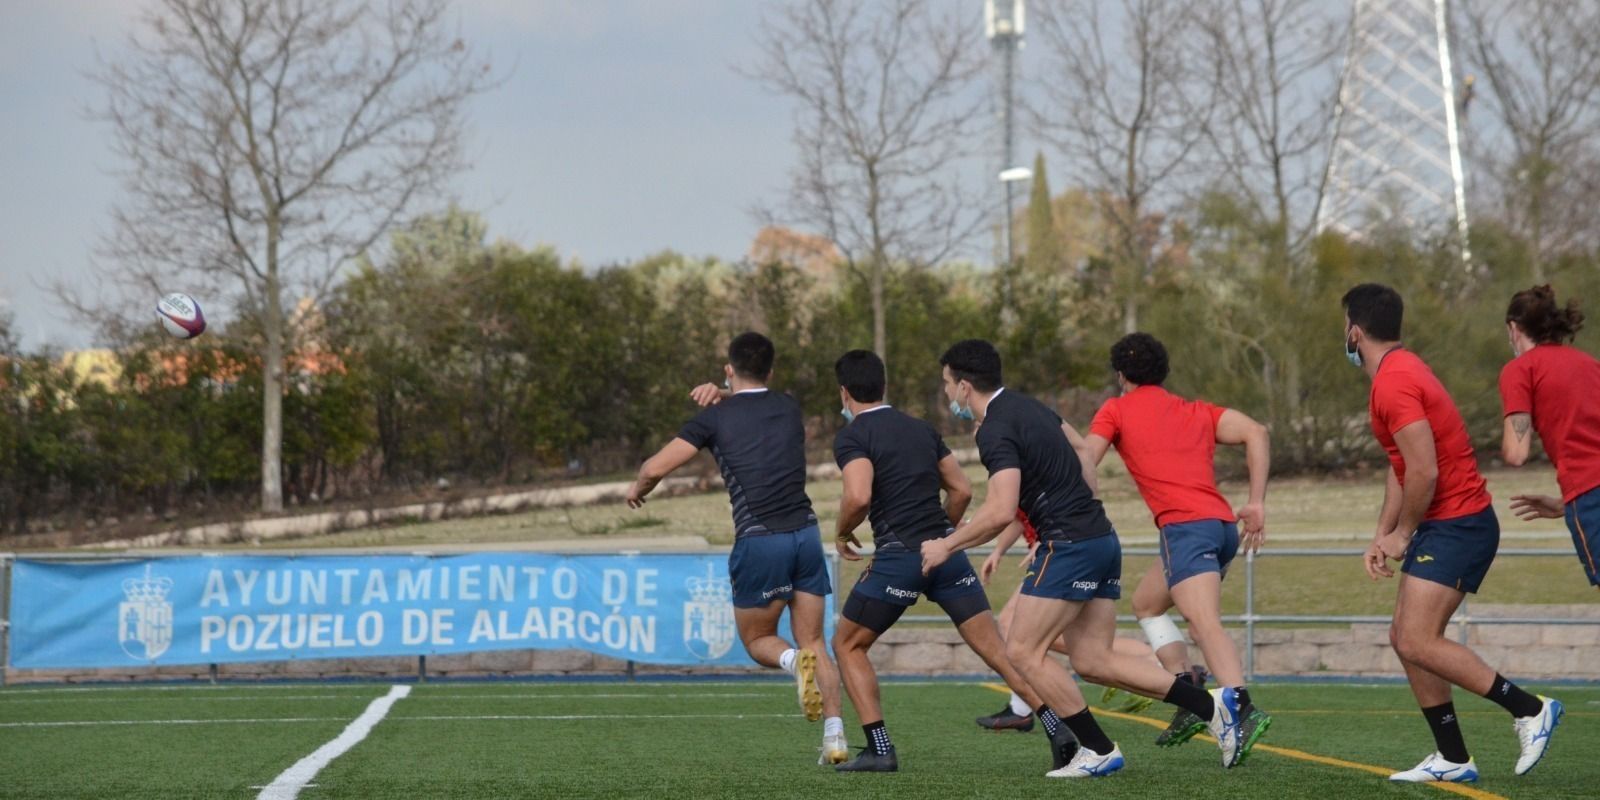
(655,609)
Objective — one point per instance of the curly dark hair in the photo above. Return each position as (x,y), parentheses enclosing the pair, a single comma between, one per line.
(1538,314)
(1141,359)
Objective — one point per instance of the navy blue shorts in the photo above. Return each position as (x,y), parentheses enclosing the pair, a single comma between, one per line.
(1084,570)
(1194,548)
(1583,519)
(1456,552)
(773,566)
(896,577)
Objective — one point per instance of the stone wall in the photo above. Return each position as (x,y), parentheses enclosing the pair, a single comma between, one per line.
(1523,650)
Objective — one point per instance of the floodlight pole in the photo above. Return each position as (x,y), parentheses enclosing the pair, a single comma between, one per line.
(1004,23)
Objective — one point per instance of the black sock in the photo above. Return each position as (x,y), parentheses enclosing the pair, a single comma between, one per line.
(1186,695)
(878,738)
(1447,733)
(1244,702)
(1088,732)
(1510,698)
(1194,676)
(1050,720)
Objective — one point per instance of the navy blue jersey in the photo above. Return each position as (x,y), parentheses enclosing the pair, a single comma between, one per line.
(759,442)
(905,454)
(1019,432)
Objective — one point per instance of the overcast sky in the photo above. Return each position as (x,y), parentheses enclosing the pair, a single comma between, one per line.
(622,130)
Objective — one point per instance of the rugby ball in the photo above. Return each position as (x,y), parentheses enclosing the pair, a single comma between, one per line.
(181,316)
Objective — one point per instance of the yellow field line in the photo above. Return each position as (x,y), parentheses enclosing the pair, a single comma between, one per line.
(1453,788)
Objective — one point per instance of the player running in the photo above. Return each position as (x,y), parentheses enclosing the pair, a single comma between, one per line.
(758,439)
(1038,463)
(1437,521)
(893,466)
(1168,445)
(1550,387)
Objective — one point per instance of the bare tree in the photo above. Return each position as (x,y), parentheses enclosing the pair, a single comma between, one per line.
(1275,64)
(1541,62)
(885,108)
(1125,101)
(267,142)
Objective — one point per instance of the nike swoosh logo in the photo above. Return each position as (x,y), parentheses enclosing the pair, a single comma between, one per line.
(1424,559)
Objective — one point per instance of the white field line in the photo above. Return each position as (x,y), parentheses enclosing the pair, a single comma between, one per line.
(291,781)
(440,718)
(4,700)
(228,698)
(89,723)
(356,687)
(462,717)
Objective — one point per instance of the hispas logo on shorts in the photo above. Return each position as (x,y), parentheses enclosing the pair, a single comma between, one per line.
(708,627)
(904,594)
(144,619)
(1087,586)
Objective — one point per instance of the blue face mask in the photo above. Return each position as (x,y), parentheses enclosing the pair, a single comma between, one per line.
(848,417)
(962,413)
(1352,353)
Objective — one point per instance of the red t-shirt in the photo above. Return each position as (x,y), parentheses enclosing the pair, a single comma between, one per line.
(1168,444)
(1405,391)
(1560,387)
(1029,533)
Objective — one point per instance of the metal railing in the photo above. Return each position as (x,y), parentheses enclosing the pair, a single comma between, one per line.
(1463,619)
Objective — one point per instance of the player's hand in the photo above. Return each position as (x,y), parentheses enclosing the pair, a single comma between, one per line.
(706,394)
(1252,526)
(987,568)
(635,498)
(847,544)
(934,553)
(1394,546)
(1536,506)
(1377,566)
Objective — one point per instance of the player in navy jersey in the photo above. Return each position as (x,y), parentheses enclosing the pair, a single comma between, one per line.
(758,439)
(1039,464)
(894,466)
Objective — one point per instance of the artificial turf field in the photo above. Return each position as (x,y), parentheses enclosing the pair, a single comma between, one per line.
(734,739)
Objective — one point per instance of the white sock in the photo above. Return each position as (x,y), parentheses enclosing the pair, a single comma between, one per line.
(833,726)
(1019,706)
(786,661)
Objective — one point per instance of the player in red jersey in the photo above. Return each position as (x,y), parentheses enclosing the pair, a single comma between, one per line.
(1437,520)
(1549,387)
(1168,444)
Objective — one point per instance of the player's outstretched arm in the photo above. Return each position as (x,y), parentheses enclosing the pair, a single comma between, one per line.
(1237,428)
(1516,440)
(957,489)
(708,394)
(853,506)
(675,454)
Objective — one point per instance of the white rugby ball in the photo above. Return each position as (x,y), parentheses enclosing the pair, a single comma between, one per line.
(181,316)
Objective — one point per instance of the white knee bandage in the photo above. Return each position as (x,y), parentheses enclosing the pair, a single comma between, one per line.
(1161,631)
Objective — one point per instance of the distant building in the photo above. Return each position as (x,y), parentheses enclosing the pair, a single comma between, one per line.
(813,255)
